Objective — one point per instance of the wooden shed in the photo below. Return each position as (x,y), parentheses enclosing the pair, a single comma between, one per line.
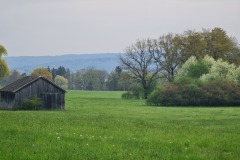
(13,95)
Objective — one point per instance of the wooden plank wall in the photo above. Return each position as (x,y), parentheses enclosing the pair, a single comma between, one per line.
(38,89)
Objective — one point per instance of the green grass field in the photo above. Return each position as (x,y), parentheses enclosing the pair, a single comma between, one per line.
(100,125)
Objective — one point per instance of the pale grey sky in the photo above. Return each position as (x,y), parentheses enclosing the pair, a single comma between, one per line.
(56,27)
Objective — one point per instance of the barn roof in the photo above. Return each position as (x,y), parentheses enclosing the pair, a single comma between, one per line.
(22,82)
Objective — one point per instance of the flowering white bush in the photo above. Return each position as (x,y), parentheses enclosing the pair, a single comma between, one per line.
(207,69)
(222,70)
(194,68)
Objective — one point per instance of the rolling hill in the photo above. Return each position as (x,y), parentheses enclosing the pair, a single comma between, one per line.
(25,64)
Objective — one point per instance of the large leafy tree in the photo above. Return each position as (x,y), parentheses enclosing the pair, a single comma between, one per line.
(192,43)
(220,45)
(42,72)
(173,50)
(4,70)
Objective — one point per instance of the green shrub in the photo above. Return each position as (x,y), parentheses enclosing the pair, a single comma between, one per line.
(214,93)
(32,103)
(164,96)
(127,95)
(130,95)
(136,91)
(153,98)
(221,93)
(181,95)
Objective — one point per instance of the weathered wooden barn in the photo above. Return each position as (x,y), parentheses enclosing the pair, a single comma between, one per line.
(13,95)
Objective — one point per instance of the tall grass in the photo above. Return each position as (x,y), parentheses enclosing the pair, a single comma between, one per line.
(100,125)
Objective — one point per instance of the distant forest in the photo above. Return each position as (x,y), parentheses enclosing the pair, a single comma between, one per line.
(88,78)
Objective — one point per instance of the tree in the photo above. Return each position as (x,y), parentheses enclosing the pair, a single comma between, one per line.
(166,52)
(172,51)
(54,72)
(220,45)
(14,75)
(61,82)
(71,81)
(118,80)
(215,43)
(61,71)
(4,70)
(192,43)
(3,51)
(89,79)
(112,81)
(139,61)
(42,72)
(102,77)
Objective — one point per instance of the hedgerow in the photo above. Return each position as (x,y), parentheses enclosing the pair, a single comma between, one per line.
(214,93)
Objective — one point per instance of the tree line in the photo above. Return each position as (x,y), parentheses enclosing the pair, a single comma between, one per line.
(88,78)
(144,65)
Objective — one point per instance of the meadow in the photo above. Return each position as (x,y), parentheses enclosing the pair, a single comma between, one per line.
(101,125)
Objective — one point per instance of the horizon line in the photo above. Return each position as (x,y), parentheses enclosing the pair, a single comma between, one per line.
(64,54)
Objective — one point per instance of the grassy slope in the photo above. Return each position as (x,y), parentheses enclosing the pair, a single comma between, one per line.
(99,125)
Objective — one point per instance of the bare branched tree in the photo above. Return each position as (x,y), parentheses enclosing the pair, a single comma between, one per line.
(139,61)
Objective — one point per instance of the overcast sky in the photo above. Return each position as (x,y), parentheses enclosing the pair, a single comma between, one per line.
(56,27)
